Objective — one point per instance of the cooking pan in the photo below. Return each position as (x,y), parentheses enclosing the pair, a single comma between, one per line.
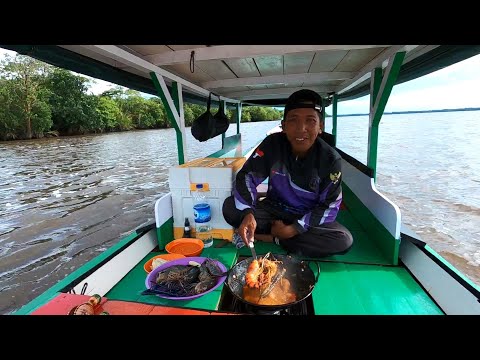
(298,272)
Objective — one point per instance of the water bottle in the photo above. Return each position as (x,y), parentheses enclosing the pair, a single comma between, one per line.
(202,214)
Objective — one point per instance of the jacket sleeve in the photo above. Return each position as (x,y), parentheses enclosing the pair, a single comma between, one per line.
(253,172)
(329,201)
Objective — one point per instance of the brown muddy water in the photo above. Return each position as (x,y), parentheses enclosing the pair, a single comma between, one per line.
(65,200)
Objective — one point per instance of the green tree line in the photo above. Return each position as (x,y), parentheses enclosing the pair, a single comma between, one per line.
(38,100)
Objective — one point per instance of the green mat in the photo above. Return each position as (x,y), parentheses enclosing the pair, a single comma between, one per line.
(353,289)
(363,251)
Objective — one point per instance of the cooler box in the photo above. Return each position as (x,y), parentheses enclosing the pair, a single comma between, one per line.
(216,175)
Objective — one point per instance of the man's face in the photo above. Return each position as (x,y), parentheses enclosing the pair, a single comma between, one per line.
(302,126)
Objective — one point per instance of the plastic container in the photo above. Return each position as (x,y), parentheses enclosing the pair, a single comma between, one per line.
(185,246)
(217,176)
(202,216)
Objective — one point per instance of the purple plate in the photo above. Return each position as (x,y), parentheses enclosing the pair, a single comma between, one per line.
(184,261)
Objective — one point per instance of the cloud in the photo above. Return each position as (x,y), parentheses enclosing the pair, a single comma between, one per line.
(457,94)
(98,86)
(452,87)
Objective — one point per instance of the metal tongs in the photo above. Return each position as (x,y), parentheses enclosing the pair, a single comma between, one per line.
(276,278)
(251,245)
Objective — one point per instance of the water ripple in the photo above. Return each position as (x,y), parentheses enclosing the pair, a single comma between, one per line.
(64,200)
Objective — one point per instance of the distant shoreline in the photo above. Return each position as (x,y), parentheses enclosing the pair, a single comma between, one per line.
(415,112)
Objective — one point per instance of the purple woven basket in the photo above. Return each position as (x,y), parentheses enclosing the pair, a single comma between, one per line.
(184,261)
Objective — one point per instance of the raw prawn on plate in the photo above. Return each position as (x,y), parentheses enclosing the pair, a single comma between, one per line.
(186,278)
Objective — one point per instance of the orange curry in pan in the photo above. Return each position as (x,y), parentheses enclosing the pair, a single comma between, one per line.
(260,287)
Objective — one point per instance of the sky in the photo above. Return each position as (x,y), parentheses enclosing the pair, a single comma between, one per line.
(453,87)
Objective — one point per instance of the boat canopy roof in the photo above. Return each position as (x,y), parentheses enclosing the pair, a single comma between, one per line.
(251,74)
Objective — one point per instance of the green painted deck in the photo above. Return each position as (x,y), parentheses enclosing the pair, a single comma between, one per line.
(354,289)
(363,250)
(357,283)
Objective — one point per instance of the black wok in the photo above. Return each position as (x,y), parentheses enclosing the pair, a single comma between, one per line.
(298,272)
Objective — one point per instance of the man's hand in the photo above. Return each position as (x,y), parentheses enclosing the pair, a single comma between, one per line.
(282,231)
(247,228)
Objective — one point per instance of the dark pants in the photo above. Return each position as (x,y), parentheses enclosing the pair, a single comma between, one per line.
(327,239)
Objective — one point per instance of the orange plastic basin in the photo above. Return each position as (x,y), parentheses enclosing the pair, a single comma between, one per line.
(185,246)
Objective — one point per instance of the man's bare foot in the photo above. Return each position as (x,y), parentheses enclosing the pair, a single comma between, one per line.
(264,237)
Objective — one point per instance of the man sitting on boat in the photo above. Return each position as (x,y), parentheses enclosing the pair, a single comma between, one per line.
(304,187)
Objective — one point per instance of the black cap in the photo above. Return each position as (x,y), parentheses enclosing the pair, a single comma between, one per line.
(304,98)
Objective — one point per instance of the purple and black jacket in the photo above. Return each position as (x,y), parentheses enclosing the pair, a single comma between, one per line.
(306,190)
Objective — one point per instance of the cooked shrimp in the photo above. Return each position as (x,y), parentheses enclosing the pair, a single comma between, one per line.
(253,272)
(260,272)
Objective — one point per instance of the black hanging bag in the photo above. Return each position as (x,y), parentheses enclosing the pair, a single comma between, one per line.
(203,127)
(221,121)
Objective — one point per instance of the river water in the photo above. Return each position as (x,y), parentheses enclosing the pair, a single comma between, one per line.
(65,200)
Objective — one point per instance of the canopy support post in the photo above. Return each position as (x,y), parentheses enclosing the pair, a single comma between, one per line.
(174,108)
(334,118)
(380,90)
(222,104)
(239,116)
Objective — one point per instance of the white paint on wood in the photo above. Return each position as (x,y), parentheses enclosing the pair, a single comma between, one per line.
(163,209)
(379,205)
(381,89)
(298,63)
(275,93)
(452,297)
(169,99)
(181,120)
(378,61)
(278,79)
(414,51)
(122,56)
(114,52)
(107,276)
(223,52)
(244,67)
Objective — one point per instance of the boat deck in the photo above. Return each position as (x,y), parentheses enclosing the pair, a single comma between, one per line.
(359,282)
